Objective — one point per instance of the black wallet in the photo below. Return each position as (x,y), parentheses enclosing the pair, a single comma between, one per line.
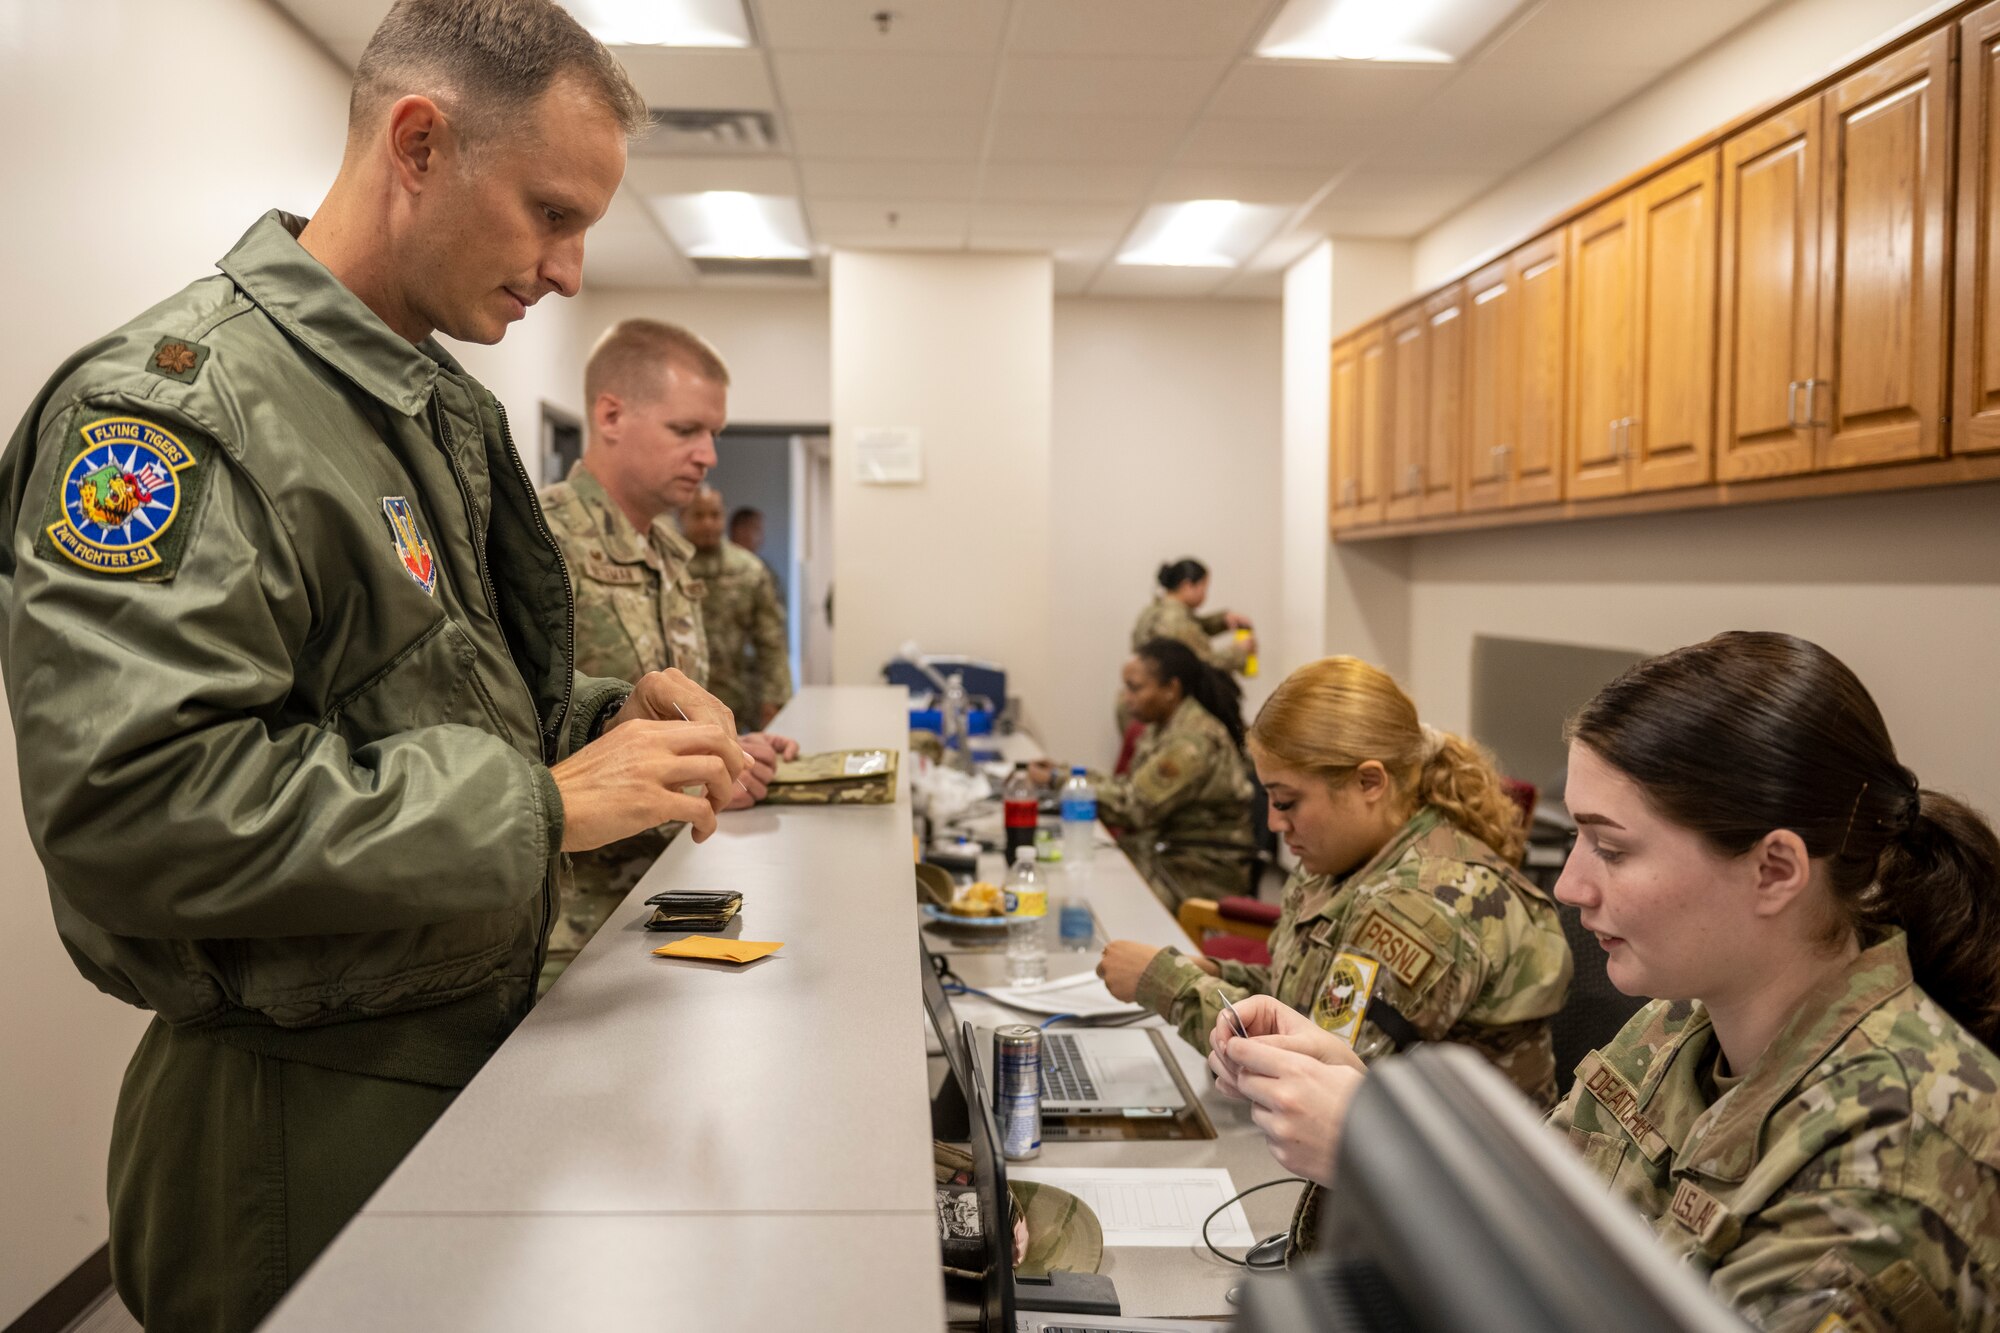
(693,909)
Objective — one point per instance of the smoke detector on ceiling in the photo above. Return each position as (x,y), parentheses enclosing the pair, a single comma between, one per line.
(686,131)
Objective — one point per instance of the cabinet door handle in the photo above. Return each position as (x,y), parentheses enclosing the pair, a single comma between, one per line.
(1631,424)
(1617,448)
(1812,401)
(1792,404)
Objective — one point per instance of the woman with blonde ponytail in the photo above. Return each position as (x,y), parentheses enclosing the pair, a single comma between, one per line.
(1407,921)
(1809,1111)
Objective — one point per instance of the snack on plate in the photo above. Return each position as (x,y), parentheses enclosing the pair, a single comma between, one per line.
(979,899)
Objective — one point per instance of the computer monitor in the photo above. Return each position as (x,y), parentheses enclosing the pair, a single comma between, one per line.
(1455,1208)
(963,1095)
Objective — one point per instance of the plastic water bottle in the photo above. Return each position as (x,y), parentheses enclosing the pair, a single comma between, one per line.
(1079,821)
(1027,921)
(955,710)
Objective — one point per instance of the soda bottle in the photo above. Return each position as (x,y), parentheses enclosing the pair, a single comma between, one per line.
(1018,802)
(1027,921)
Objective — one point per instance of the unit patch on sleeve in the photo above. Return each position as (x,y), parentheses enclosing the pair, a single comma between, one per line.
(411,547)
(1343,1001)
(1405,953)
(116,501)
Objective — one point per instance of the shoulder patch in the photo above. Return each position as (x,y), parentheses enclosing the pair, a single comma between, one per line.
(1410,956)
(114,506)
(1342,1001)
(177,359)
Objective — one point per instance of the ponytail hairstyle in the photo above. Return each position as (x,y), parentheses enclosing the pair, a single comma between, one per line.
(1181,572)
(1747,733)
(1215,691)
(1331,716)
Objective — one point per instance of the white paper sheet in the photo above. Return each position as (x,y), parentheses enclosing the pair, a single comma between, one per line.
(1082,994)
(1151,1205)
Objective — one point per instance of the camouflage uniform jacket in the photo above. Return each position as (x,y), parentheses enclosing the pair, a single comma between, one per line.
(1168,617)
(1185,807)
(1848,1180)
(1470,950)
(749,662)
(637,610)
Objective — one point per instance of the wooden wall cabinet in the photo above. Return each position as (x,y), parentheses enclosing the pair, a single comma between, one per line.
(1355,429)
(1437,475)
(1516,337)
(1408,383)
(1642,337)
(1976,400)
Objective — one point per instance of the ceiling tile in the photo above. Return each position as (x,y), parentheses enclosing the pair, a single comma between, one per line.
(719,80)
(1002,219)
(1133,27)
(1359,94)
(626,249)
(835,218)
(650,176)
(893,81)
(1250,185)
(1094,86)
(1061,182)
(1316,144)
(1082,139)
(1575,33)
(964,27)
(862,135)
(891,180)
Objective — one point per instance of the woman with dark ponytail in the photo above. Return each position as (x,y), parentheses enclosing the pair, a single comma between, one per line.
(1174,613)
(1809,1112)
(1184,805)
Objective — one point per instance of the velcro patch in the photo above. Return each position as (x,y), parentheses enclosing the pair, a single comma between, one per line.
(1621,1102)
(1343,1000)
(606,570)
(1408,956)
(1704,1215)
(177,359)
(114,506)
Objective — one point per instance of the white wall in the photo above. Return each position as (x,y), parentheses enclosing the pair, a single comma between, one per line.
(147,138)
(1167,443)
(1784,49)
(956,346)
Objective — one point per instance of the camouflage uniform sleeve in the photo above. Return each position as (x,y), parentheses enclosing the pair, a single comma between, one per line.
(1176,989)
(1433,968)
(1168,778)
(1861,1259)
(1215,622)
(767,631)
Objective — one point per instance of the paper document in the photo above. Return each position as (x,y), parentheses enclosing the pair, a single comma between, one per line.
(1151,1205)
(1082,994)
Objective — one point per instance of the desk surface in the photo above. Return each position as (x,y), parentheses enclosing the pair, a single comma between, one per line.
(712,1146)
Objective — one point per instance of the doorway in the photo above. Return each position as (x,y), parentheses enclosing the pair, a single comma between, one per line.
(784,473)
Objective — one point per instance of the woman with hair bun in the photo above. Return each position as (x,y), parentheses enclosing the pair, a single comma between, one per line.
(1809,1111)
(1407,920)
(1174,613)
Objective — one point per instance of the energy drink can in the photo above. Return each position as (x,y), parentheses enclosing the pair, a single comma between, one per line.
(1017,1090)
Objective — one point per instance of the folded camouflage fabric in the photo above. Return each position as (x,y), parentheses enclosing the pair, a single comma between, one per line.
(837,777)
(1063,1233)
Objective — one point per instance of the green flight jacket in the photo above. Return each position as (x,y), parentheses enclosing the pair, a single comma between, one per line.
(286,763)
(1848,1179)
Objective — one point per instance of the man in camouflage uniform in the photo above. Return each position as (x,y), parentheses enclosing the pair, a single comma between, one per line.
(658,398)
(1185,808)
(1847,1182)
(749,665)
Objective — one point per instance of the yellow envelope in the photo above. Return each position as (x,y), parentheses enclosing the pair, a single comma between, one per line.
(719,950)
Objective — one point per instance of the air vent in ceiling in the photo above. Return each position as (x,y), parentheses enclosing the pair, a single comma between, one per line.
(716,267)
(680,131)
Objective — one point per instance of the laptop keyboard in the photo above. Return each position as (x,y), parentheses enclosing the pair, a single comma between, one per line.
(1064,1078)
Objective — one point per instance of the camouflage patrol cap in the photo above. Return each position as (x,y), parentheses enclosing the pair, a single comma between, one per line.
(1063,1233)
(838,777)
(933,884)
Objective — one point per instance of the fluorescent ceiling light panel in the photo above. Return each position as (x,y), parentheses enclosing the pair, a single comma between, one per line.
(1391,32)
(1203,233)
(664,22)
(729,224)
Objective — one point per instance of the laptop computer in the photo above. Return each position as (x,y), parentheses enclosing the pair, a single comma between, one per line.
(1000,1311)
(1099,1071)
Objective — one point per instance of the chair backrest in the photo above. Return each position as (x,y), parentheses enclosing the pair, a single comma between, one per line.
(1595,1009)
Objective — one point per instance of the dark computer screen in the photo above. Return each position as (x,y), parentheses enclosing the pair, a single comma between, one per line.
(1455,1208)
(988,1166)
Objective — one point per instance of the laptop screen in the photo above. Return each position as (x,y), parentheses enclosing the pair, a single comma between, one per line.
(988,1168)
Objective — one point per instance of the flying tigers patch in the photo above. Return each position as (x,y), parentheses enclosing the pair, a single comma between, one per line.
(114,506)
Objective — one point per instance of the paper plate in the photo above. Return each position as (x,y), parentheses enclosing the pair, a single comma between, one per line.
(944,918)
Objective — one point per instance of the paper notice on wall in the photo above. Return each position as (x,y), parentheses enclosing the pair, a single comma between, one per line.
(888,456)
